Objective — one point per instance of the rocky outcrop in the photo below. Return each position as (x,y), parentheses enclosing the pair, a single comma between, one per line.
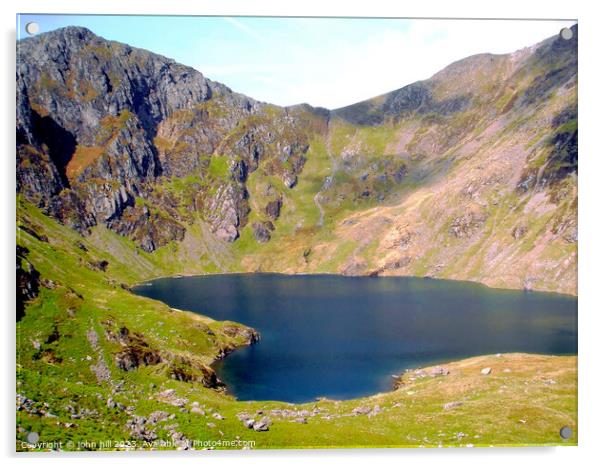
(272,208)
(189,370)
(101,124)
(136,351)
(134,356)
(150,229)
(467,224)
(247,335)
(261,231)
(227,212)
(28,281)
(416,97)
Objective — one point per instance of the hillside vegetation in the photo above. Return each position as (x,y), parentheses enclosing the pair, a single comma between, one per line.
(131,166)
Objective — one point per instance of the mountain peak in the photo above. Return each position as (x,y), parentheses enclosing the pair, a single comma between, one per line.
(70,34)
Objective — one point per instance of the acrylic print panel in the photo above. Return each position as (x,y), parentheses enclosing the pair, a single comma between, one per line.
(247,232)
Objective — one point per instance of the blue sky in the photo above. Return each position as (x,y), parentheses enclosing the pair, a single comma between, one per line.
(326,62)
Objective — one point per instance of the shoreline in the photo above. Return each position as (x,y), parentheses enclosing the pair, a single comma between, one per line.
(397,378)
(366,275)
(397,382)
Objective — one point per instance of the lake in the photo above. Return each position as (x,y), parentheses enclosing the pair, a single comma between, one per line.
(343,337)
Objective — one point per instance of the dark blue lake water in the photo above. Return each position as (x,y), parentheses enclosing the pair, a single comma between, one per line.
(343,337)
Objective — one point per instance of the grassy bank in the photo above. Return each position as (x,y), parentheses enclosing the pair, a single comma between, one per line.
(98,364)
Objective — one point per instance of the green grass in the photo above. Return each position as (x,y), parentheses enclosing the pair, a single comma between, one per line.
(219,167)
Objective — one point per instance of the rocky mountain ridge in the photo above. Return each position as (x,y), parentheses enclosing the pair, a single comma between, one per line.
(470,174)
(98,123)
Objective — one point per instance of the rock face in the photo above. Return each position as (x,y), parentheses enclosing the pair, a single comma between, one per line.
(28,281)
(150,230)
(136,351)
(470,174)
(101,125)
(467,224)
(248,335)
(273,208)
(261,231)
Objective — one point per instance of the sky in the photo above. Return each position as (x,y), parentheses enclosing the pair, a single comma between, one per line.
(327,62)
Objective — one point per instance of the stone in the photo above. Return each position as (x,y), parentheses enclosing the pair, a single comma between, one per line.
(486,371)
(289,180)
(438,371)
(452,404)
(157,416)
(468,224)
(261,232)
(361,410)
(374,411)
(519,231)
(272,209)
(262,425)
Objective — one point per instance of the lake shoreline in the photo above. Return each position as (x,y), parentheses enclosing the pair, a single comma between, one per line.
(397,382)
(365,275)
(345,337)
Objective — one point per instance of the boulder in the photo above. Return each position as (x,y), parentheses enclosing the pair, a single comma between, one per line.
(289,180)
(437,371)
(272,209)
(361,410)
(452,404)
(261,231)
(262,425)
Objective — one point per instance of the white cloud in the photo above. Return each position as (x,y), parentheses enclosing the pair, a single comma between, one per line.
(243,27)
(285,69)
(395,57)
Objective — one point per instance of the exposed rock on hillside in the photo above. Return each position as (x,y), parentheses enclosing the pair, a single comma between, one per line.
(101,124)
(28,281)
(478,162)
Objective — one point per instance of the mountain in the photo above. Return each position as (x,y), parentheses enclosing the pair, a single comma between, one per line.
(470,174)
(100,125)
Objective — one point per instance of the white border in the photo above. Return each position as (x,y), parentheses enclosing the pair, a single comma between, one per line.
(590,238)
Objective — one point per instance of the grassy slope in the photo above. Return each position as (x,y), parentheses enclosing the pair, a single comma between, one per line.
(471,161)
(54,359)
